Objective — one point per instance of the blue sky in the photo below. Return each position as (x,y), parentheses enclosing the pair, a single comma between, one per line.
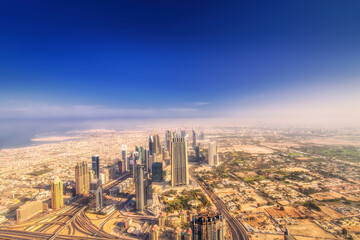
(148,59)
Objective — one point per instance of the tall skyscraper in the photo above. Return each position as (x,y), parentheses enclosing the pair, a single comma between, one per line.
(97,191)
(158,145)
(208,226)
(124,156)
(183,133)
(179,162)
(143,188)
(168,141)
(151,144)
(82,178)
(95,163)
(121,165)
(57,200)
(194,139)
(157,172)
(141,154)
(211,152)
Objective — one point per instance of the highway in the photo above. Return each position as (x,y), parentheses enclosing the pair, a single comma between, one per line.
(237,229)
(72,218)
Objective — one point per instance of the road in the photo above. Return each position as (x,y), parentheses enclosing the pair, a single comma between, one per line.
(71,218)
(237,229)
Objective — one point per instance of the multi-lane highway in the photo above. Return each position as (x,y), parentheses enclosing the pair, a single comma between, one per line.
(237,229)
(66,222)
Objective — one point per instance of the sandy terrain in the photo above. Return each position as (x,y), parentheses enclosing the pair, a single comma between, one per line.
(331,213)
(252,149)
(326,195)
(307,228)
(334,141)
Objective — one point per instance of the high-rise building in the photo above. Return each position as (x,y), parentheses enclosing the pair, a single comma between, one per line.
(28,210)
(57,200)
(143,188)
(82,178)
(197,153)
(121,165)
(97,191)
(202,136)
(154,144)
(157,172)
(183,133)
(141,154)
(179,162)
(92,175)
(158,145)
(169,138)
(194,139)
(95,163)
(211,152)
(151,144)
(112,173)
(124,156)
(208,226)
(147,160)
(104,176)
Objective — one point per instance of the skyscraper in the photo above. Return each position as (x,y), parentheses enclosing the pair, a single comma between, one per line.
(121,165)
(157,172)
(57,200)
(143,188)
(183,133)
(151,144)
(95,163)
(124,156)
(96,189)
(168,141)
(194,139)
(179,162)
(82,178)
(208,226)
(139,187)
(211,152)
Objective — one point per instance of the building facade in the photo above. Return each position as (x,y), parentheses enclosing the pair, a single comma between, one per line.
(157,172)
(208,226)
(124,157)
(57,199)
(211,153)
(28,210)
(143,188)
(95,163)
(82,178)
(179,162)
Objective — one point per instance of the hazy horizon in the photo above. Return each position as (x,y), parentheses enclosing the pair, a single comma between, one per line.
(73,65)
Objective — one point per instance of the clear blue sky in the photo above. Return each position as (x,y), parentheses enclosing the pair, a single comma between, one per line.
(130,54)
